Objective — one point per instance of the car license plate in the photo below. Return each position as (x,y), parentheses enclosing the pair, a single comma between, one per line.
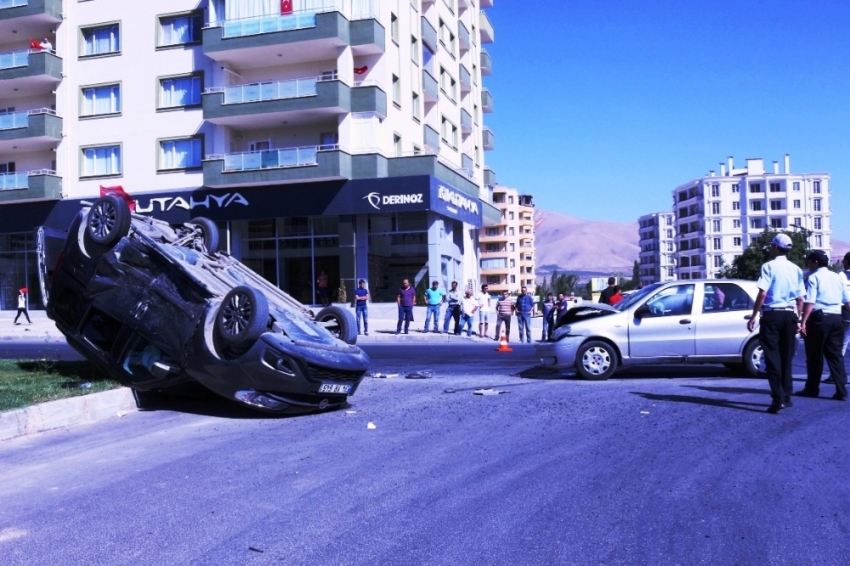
(334,388)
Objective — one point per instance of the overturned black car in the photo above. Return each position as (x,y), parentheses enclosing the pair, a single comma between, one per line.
(156,306)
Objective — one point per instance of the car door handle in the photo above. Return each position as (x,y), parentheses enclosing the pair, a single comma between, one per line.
(685,321)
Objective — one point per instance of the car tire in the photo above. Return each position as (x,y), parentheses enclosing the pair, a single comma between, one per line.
(242,318)
(753,354)
(107,222)
(209,231)
(596,360)
(344,327)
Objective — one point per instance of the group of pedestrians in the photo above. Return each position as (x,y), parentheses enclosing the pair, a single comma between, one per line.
(816,307)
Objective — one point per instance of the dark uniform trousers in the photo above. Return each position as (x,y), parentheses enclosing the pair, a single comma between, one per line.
(824,337)
(777,334)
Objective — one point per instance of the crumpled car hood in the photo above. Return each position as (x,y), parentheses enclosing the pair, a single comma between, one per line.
(586,311)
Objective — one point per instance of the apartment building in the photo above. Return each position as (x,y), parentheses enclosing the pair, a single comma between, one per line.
(507,249)
(657,233)
(337,135)
(718,216)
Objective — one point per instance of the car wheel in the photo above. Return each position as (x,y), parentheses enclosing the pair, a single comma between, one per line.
(596,360)
(108,221)
(343,324)
(209,233)
(242,317)
(753,355)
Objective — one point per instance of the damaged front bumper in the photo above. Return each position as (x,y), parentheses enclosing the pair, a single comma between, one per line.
(560,354)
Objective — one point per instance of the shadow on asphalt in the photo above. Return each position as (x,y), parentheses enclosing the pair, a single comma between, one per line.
(750,407)
(734,390)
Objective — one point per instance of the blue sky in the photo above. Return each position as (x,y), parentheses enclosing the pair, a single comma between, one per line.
(603,107)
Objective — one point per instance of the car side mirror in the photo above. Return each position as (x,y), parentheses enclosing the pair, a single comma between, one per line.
(642,311)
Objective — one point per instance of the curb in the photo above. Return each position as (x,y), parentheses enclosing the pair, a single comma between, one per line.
(66,412)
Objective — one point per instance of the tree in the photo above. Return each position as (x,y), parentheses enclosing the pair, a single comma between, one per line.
(748,264)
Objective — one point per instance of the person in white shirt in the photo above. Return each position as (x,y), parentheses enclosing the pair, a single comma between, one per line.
(483,299)
(46,45)
(22,307)
(468,306)
(845,313)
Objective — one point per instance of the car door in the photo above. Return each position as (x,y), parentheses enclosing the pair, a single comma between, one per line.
(722,328)
(668,329)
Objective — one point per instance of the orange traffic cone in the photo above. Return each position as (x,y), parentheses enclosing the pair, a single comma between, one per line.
(503,343)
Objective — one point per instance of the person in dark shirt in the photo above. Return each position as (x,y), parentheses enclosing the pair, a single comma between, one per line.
(548,308)
(405,300)
(605,296)
(361,306)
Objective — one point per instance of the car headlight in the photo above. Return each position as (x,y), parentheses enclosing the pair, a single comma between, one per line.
(560,332)
(257,399)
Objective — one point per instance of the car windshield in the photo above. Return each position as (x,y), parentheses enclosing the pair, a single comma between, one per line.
(636,297)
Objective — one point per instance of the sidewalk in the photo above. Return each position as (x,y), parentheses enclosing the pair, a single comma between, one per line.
(382,324)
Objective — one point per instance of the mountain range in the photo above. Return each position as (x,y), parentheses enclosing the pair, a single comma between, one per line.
(597,248)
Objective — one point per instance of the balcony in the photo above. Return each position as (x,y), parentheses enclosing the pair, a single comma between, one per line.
(29,73)
(30,186)
(432,138)
(494,270)
(486,65)
(486,28)
(296,38)
(295,101)
(30,130)
(465,80)
(493,238)
(462,37)
(430,88)
(429,35)
(29,18)
(486,3)
(277,166)
(488,139)
(465,122)
(489,177)
(486,101)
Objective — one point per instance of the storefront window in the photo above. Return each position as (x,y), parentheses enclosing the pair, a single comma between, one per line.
(18,269)
(398,249)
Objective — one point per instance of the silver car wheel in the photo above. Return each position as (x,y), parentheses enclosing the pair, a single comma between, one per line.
(596,360)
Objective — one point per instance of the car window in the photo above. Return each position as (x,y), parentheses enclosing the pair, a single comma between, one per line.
(144,361)
(101,331)
(722,297)
(636,297)
(672,301)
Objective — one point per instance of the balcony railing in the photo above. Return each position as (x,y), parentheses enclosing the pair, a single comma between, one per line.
(358,10)
(272,158)
(17,120)
(12,3)
(12,181)
(485,28)
(272,90)
(12,59)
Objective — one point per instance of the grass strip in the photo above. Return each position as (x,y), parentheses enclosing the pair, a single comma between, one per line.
(26,382)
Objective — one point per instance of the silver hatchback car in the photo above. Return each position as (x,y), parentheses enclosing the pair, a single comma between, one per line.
(689,321)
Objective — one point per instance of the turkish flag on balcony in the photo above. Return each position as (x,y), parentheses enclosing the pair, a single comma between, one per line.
(118,191)
(361,70)
(285,6)
(35,44)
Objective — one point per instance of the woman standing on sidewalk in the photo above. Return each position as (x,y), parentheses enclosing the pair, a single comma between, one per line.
(22,307)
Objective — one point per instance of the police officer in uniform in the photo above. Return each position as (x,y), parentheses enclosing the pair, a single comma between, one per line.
(822,326)
(779,300)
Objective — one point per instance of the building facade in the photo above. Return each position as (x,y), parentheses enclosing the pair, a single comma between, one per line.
(657,233)
(507,249)
(343,136)
(717,217)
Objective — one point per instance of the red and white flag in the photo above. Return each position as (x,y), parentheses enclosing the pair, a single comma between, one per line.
(285,6)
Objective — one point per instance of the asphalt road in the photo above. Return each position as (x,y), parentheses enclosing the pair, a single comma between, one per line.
(654,467)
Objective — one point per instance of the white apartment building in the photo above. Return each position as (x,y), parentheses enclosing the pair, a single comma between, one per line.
(337,135)
(657,232)
(717,217)
(507,249)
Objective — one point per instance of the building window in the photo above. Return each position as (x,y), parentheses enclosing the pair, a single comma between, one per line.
(669,233)
(669,220)
(736,205)
(449,132)
(101,100)
(176,92)
(736,242)
(755,187)
(179,154)
(715,225)
(396,92)
(816,187)
(715,190)
(101,40)
(716,243)
(718,261)
(394,27)
(775,188)
(755,223)
(101,161)
(180,30)
(736,188)
(397,145)
(798,222)
(776,205)
(818,223)
(416,149)
(796,203)
(715,208)
(448,84)
(816,205)
(736,223)
(776,223)
(796,185)
(818,241)
(414,49)
(755,205)
(416,109)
